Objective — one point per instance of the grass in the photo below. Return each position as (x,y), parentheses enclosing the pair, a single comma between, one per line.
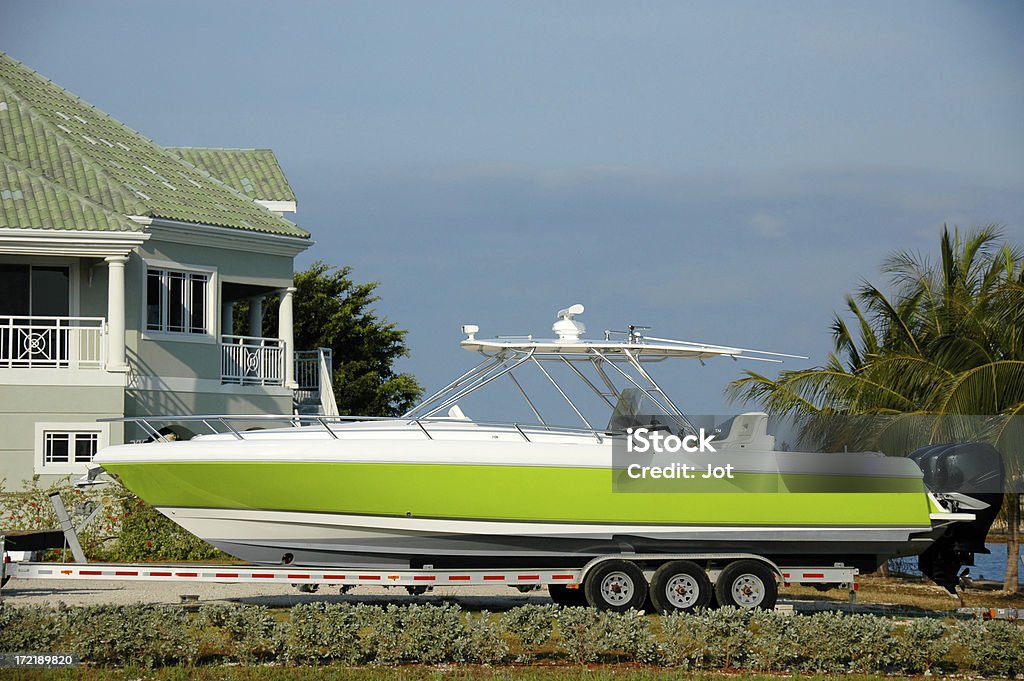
(412,673)
(894,595)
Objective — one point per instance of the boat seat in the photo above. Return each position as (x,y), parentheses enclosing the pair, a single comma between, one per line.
(746,431)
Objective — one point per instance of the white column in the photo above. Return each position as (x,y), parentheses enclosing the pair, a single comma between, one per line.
(286,332)
(227,319)
(116,360)
(256,317)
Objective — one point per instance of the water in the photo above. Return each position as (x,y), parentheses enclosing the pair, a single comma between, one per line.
(993,565)
(989,566)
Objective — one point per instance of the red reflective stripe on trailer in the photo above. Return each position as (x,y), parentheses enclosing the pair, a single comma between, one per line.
(563,576)
(369,577)
(459,578)
(90,572)
(424,578)
(334,576)
(225,574)
(160,574)
(856,586)
(814,575)
(494,578)
(262,575)
(785,575)
(298,577)
(126,573)
(529,577)
(186,574)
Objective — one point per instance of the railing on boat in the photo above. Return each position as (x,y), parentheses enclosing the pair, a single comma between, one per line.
(240,426)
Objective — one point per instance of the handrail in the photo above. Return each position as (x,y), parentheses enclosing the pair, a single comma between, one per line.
(30,342)
(147,422)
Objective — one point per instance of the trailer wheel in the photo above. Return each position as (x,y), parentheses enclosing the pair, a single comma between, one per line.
(680,586)
(616,585)
(747,584)
(563,595)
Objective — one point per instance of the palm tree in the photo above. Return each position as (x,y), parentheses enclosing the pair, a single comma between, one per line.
(947,342)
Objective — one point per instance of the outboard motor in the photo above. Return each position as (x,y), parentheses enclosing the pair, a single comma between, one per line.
(969,479)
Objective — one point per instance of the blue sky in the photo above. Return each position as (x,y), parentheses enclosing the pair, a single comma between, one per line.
(721,171)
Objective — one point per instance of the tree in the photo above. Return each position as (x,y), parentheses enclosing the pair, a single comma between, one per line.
(332,311)
(948,341)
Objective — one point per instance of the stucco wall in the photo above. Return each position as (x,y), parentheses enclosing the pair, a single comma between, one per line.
(22,406)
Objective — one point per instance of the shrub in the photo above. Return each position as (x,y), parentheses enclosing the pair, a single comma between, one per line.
(29,630)
(629,633)
(581,634)
(254,634)
(995,648)
(148,535)
(142,532)
(529,627)
(30,509)
(320,632)
(414,633)
(486,644)
(776,643)
(150,636)
(140,635)
(707,639)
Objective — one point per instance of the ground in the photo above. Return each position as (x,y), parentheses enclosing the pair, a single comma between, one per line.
(876,595)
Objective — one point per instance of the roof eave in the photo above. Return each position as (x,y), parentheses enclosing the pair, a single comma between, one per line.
(76,243)
(230,238)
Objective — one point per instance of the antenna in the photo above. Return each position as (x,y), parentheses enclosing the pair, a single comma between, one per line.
(567,328)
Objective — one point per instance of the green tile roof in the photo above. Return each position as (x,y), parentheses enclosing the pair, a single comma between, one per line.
(30,201)
(254,172)
(56,136)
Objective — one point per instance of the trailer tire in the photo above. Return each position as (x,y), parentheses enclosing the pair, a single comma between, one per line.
(563,595)
(747,584)
(617,586)
(680,586)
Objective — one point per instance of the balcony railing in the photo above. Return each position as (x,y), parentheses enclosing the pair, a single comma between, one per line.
(247,360)
(315,391)
(52,342)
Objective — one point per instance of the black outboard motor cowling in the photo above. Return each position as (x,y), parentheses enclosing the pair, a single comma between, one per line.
(971,472)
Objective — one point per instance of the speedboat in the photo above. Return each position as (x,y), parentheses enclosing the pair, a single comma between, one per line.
(435,488)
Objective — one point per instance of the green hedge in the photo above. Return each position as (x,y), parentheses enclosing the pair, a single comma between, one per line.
(353,634)
(127,529)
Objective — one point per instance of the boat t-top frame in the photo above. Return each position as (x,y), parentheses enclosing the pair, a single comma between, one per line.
(620,354)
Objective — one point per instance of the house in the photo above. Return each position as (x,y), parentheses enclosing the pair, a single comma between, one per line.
(120,264)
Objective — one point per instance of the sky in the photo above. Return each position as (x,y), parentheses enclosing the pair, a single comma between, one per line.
(723,172)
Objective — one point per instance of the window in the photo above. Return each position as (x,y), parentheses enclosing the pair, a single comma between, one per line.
(69,448)
(35,290)
(176,301)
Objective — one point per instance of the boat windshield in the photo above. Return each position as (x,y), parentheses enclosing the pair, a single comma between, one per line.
(635,409)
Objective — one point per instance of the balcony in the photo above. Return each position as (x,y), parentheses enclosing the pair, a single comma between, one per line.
(249,360)
(52,342)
